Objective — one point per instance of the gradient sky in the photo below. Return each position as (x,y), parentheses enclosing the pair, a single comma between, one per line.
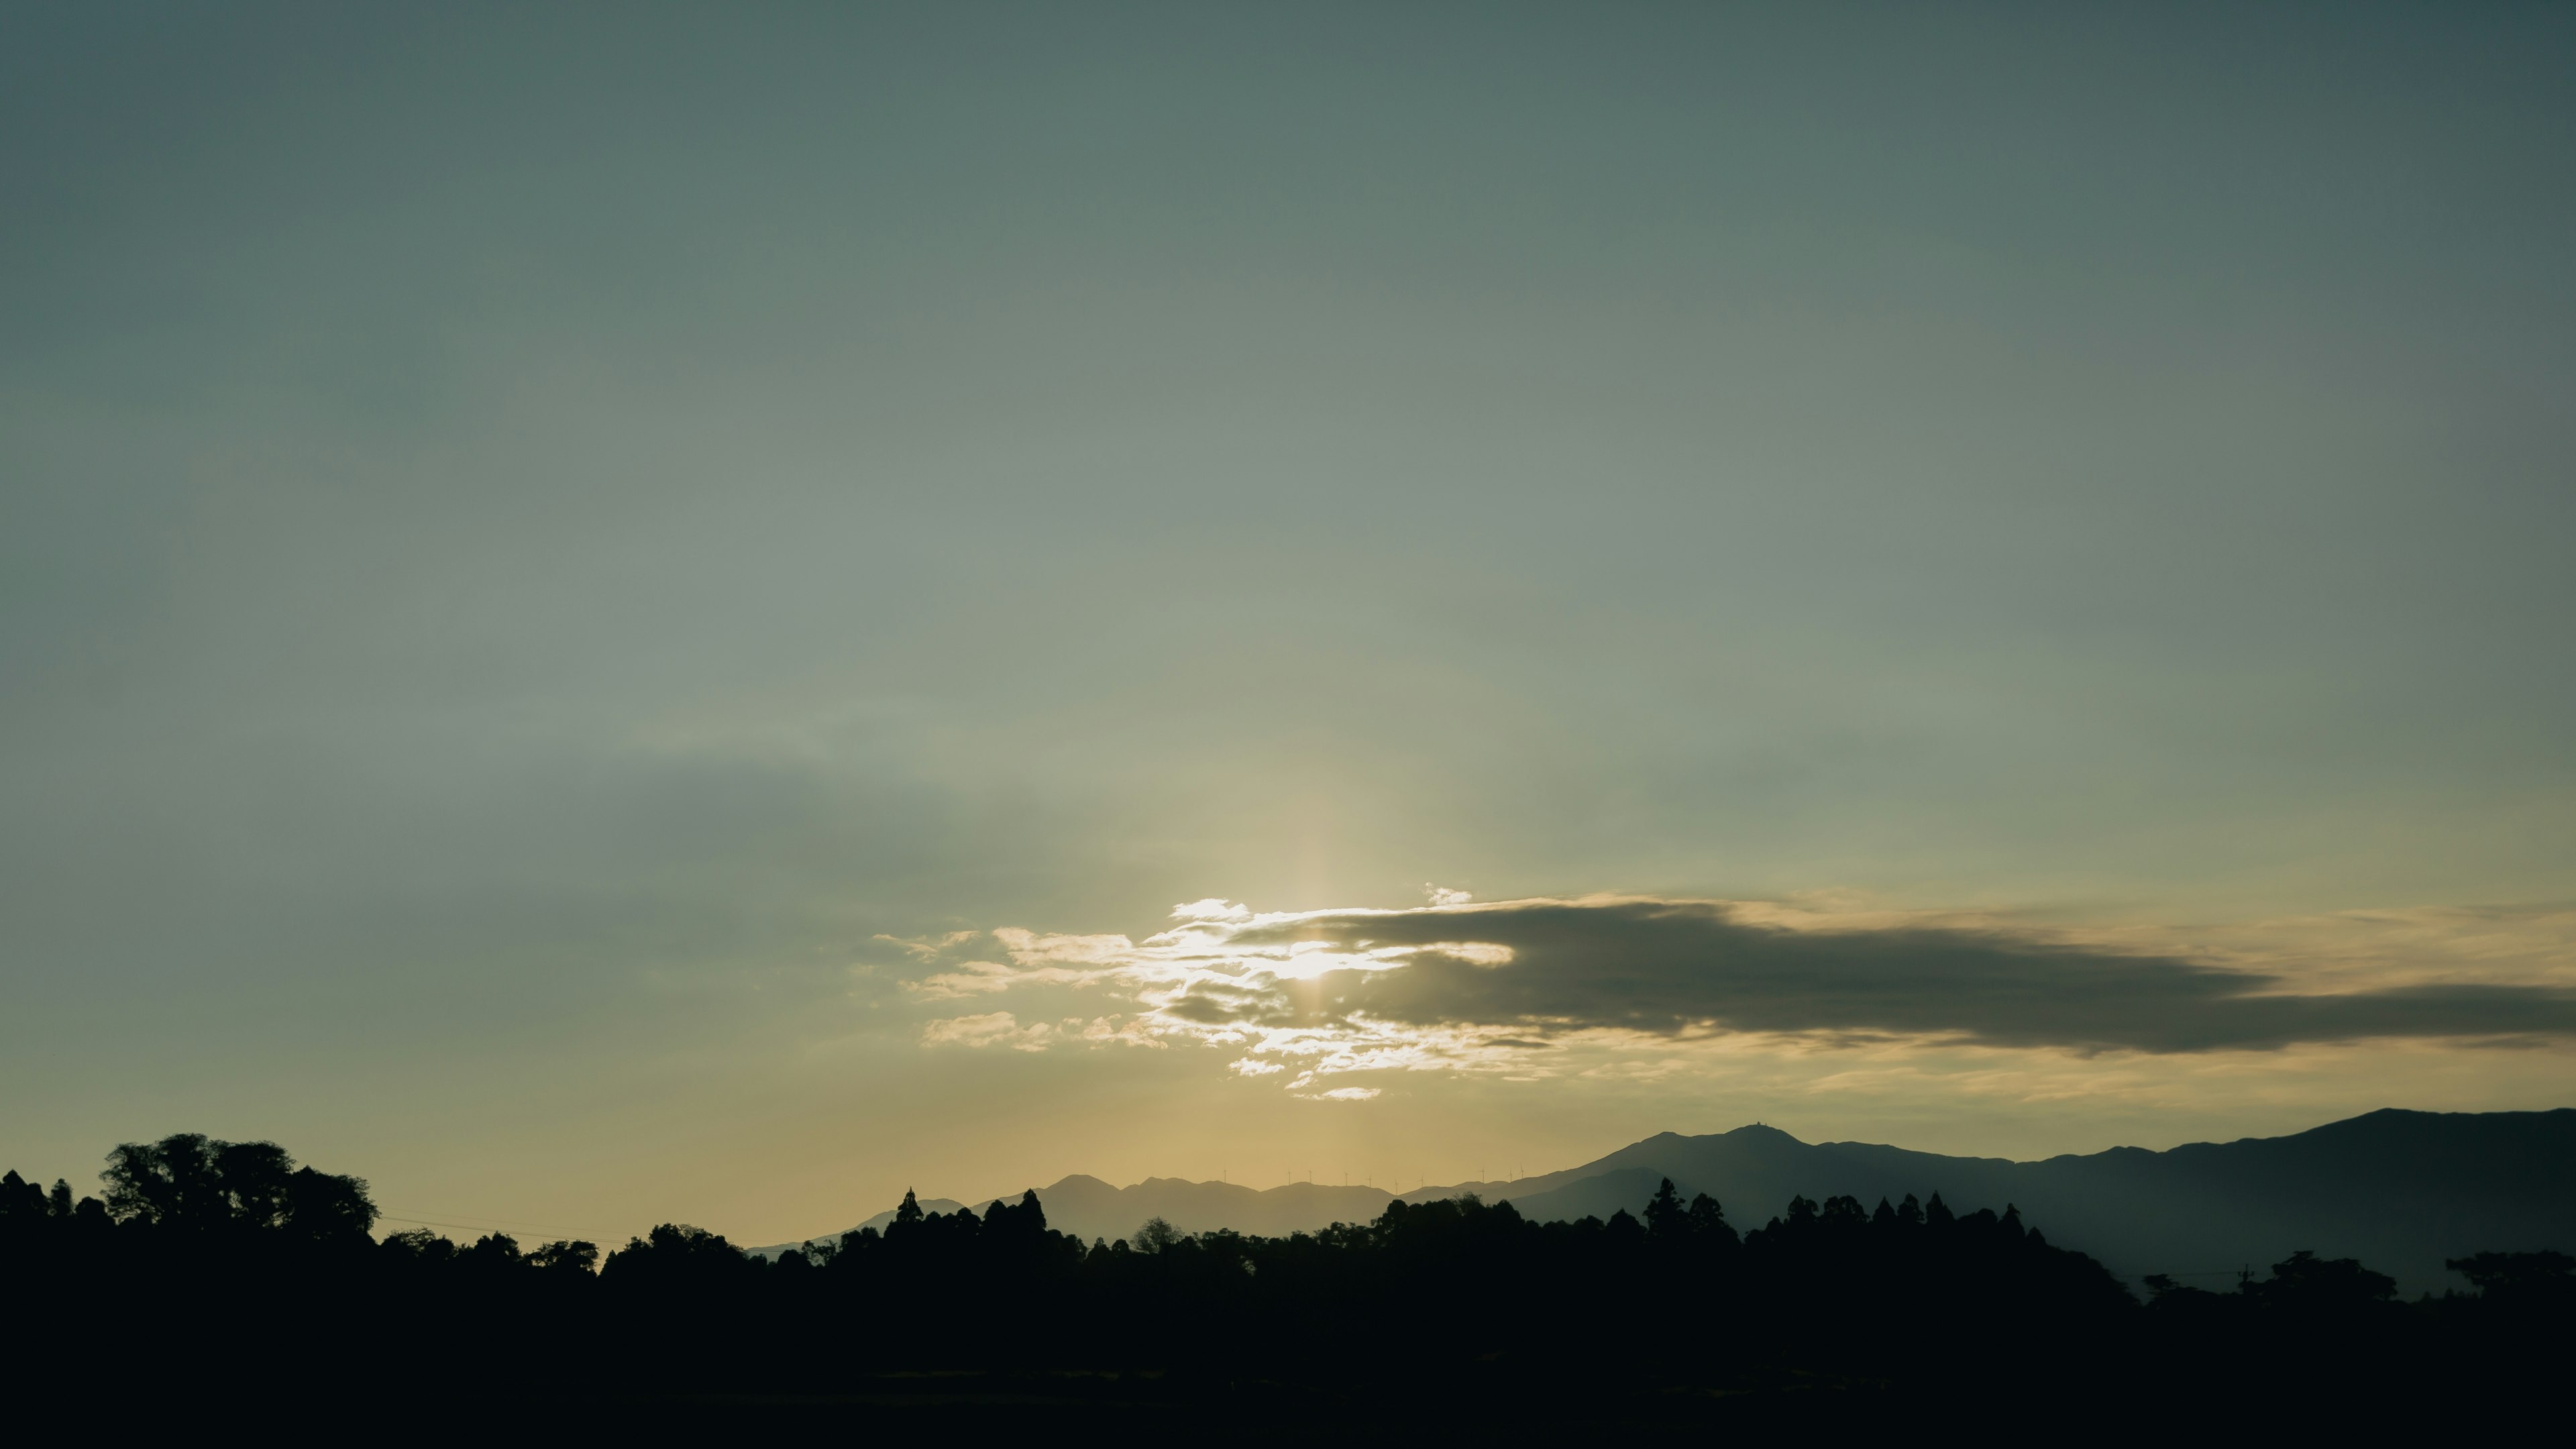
(564,571)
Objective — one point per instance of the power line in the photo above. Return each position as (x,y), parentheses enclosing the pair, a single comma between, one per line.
(479,1218)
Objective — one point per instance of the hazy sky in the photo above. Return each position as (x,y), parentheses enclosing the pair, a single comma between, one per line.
(637,613)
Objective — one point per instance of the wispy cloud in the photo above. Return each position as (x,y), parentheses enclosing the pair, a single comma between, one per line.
(1496,986)
(990,1028)
(929,948)
(1002,1029)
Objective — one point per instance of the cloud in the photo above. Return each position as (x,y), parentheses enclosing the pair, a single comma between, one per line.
(1029,948)
(1464,985)
(1670,968)
(974,978)
(929,948)
(991,1028)
(1001,1028)
(1063,960)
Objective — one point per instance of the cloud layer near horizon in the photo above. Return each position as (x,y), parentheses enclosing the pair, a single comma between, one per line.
(1464,985)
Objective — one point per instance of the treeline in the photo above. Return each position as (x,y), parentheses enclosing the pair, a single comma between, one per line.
(218,1266)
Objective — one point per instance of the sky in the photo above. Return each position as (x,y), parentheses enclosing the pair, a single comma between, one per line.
(647,613)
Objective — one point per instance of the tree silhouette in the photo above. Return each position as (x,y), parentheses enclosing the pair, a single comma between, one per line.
(216,1268)
(191,1182)
(2306,1283)
(169,1183)
(20,1199)
(1666,1219)
(2543,1279)
(565,1255)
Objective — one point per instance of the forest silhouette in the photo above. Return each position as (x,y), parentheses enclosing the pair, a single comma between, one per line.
(226,1269)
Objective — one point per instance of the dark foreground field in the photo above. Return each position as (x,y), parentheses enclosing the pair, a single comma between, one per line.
(216,1284)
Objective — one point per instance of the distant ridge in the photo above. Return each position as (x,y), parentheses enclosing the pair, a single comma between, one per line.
(1090,1208)
(2399,1190)
(1094,1209)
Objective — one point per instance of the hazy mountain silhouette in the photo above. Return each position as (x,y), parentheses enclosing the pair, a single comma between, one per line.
(2399,1190)
(1088,1208)
(880,1222)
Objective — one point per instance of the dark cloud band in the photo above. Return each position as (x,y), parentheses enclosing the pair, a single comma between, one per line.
(1680,967)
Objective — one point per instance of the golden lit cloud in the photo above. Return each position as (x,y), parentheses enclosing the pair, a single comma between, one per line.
(1523,988)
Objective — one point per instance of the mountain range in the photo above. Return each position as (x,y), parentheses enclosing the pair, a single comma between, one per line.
(2402,1191)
